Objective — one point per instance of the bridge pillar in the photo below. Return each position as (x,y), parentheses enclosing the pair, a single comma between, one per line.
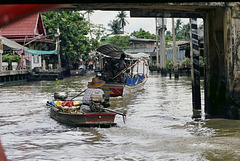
(222,87)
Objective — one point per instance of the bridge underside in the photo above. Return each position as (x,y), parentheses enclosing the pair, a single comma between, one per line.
(221,45)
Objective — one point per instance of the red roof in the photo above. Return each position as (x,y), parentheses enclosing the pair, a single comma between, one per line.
(30,26)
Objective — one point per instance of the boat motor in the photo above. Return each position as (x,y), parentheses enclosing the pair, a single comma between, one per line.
(96,101)
(60,96)
(106,103)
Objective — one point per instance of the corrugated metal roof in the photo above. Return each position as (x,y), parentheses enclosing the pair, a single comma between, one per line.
(10,45)
(110,50)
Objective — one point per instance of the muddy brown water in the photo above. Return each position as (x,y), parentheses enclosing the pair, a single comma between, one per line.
(159,126)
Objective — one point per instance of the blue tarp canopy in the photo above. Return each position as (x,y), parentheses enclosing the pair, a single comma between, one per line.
(134,81)
(40,52)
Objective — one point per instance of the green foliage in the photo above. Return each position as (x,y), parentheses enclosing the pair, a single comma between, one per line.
(120,41)
(182,31)
(142,34)
(73,28)
(121,19)
(186,62)
(168,36)
(98,31)
(169,64)
(9,57)
(115,27)
(201,26)
(201,62)
(58,81)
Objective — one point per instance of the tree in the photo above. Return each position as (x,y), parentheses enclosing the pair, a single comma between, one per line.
(178,27)
(115,28)
(142,34)
(98,30)
(89,12)
(73,28)
(168,36)
(121,19)
(120,41)
(184,33)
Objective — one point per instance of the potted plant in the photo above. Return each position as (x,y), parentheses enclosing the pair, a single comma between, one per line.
(187,62)
(169,64)
(183,63)
(11,58)
(201,62)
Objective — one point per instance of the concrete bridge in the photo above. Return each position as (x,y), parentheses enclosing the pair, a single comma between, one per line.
(221,45)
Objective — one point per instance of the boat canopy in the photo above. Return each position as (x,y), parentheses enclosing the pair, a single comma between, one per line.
(40,52)
(110,50)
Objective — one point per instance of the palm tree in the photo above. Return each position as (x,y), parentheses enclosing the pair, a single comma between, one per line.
(115,28)
(121,19)
(178,27)
(186,31)
(89,12)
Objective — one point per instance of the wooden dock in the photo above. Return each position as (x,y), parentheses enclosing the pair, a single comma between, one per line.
(45,75)
(16,76)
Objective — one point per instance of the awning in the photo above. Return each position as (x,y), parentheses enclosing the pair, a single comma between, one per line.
(10,45)
(110,50)
(40,52)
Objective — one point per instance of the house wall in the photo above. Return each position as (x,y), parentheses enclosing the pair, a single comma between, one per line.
(142,45)
(36,59)
(180,54)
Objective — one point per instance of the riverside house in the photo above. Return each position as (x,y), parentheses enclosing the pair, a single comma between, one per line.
(30,33)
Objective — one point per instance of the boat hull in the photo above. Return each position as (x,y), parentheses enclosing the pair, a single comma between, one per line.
(113,89)
(77,72)
(116,90)
(131,89)
(83,120)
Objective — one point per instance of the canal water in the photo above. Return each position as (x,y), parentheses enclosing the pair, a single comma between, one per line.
(160,125)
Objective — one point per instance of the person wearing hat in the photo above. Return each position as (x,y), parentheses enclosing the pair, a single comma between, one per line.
(93,88)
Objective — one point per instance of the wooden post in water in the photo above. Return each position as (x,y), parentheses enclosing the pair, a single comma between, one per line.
(157,51)
(194,51)
(176,74)
(1,51)
(162,47)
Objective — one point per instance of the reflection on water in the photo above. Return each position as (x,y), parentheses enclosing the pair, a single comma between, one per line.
(160,125)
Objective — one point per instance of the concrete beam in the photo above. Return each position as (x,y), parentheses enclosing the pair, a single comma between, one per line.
(147,5)
(165,14)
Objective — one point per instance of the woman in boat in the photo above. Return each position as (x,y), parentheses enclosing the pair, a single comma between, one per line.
(93,88)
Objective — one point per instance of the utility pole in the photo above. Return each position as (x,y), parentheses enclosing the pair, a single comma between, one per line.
(174,51)
(58,49)
(157,51)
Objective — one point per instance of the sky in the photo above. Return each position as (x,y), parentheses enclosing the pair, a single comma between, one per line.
(148,24)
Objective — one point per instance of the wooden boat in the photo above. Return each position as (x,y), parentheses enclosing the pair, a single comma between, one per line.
(82,72)
(77,72)
(135,79)
(122,89)
(77,119)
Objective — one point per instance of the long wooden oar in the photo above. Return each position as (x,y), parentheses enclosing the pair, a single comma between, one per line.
(123,114)
(78,94)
